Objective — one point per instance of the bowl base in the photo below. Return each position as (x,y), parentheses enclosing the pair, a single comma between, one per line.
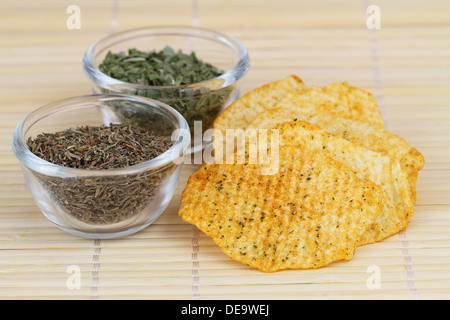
(99,236)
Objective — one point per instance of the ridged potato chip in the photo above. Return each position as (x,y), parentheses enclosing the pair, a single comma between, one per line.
(339,180)
(382,170)
(244,109)
(373,137)
(310,213)
(339,99)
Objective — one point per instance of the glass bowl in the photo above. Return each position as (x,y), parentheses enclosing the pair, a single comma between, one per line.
(199,103)
(102,203)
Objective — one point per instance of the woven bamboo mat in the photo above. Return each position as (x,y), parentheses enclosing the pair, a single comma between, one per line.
(405,64)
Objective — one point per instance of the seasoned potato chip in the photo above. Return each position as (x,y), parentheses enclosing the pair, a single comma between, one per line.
(338,99)
(312,212)
(362,103)
(244,109)
(373,137)
(339,179)
(382,170)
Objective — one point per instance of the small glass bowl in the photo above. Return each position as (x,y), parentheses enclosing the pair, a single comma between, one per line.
(200,103)
(106,203)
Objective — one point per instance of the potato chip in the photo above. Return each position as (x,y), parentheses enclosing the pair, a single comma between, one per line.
(244,109)
(382,170)
(338,99)
(373,137)
(312,212)
(340,179)
(363,105)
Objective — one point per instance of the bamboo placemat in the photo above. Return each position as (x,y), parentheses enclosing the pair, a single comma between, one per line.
(404,63)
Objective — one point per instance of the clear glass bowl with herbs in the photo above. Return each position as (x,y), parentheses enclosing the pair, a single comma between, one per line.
(196,71)
(93,174)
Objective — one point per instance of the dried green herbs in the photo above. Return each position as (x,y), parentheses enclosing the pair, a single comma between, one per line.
(101,199)
(166,67)
(99,147)
(164,72)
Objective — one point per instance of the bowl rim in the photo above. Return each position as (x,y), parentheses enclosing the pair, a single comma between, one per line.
(173,155)
(235,73)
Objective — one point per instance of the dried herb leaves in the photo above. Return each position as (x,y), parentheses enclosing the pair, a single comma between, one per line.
(100,200)
(99,147)
(166,67)
(170,69)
